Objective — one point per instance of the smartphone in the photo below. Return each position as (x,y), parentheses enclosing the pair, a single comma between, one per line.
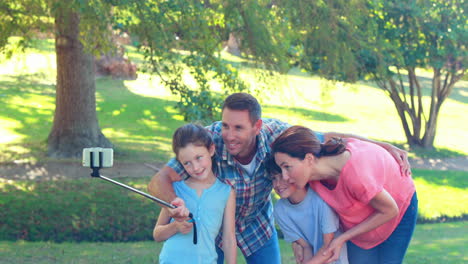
(106,155)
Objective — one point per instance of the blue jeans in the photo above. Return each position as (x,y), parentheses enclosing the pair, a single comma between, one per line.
(392,250)
(269,253)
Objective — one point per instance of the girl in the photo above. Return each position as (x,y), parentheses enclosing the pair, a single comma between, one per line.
(375,202)
(211,202)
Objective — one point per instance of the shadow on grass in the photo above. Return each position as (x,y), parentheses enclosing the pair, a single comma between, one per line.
(143,124)
(429,153)
(33,119)
(307,113)
(459,92)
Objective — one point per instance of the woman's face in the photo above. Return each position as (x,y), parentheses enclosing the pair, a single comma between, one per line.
(294,170)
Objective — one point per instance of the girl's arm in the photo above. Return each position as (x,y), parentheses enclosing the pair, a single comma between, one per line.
(385,209)
(229,230)
(164,229)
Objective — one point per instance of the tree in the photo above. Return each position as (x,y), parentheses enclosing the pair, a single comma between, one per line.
(75,121)
(386,41)
(417,34)
(174,36)
(188,38)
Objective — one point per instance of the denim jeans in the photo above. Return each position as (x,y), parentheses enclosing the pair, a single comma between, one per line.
(269,253)
(392,250)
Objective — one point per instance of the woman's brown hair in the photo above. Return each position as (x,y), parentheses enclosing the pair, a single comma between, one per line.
(297,141)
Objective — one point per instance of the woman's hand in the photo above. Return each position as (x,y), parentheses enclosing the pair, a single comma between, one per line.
(332,252)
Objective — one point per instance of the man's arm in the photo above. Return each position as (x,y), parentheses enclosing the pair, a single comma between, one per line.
(160,186)
(401,156)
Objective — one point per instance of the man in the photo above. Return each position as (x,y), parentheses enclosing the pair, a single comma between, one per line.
(243,142)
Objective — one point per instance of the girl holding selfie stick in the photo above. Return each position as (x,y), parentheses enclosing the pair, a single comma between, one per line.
(212,203)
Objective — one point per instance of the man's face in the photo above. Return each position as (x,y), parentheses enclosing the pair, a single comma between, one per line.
(238,132)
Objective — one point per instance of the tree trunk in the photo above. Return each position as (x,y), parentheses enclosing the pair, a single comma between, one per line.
(75,122)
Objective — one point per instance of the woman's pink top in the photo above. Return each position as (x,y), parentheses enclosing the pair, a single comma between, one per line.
(369,170)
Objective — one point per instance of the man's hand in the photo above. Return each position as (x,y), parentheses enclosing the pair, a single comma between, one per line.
(401,156)
(180,213)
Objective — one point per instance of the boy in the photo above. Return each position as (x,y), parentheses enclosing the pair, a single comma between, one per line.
(305,219)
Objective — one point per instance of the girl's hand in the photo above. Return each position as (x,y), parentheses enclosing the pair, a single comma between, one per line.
(180,213)
(183,227)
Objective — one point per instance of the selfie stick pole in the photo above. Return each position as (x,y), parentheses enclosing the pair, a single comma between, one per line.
(96,174)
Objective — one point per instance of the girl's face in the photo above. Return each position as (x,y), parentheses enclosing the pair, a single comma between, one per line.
(197,161)
(294,170)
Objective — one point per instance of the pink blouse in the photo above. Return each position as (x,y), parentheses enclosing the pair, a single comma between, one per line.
(369,170)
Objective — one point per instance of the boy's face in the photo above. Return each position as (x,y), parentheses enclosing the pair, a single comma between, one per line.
(282,187)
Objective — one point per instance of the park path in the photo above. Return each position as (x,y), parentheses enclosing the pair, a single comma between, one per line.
(68,170)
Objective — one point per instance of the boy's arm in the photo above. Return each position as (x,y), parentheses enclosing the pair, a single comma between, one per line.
(401,156)
(320,258)
(160,186)
(303,252)
(229,230)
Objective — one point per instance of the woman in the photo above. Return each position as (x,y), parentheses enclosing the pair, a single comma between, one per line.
(376,203)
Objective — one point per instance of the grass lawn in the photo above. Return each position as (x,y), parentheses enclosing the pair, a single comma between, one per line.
(432,243)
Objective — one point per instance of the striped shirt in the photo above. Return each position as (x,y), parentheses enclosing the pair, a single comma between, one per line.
(254,210)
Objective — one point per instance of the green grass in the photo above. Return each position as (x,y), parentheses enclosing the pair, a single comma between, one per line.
(441,194)
(432,243)
(139,116)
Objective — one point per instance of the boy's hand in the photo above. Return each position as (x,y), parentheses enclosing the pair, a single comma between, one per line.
(180,213)
(298,252)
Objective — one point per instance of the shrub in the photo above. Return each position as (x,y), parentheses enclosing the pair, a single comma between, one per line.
(74,210)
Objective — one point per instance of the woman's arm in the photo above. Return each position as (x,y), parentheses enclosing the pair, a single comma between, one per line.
(401,156)
(229,230)
(164,229)
(385,209)
(320,257)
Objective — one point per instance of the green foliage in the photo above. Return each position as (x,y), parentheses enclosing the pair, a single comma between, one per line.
(75,210)
(325,36)
(185,37)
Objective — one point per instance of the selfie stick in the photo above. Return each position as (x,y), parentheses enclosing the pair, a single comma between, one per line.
(96,174)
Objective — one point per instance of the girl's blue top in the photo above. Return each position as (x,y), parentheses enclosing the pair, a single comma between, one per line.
(208,211)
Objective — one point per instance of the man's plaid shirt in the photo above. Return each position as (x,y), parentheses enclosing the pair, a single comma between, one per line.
(254,210)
